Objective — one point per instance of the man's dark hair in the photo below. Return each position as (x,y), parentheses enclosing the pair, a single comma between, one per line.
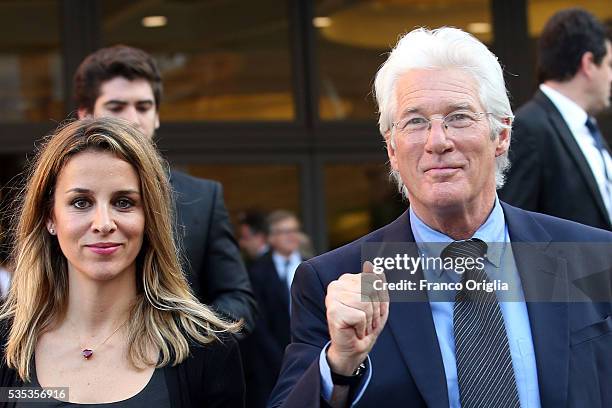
(111,62)
(564,40)
(256,221)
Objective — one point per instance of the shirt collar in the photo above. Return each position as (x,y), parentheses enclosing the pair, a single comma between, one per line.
(280,259)
(572,113)
(493,231)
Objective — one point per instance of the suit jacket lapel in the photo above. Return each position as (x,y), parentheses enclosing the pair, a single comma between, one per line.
(542,274)
(412,326)
(571,145)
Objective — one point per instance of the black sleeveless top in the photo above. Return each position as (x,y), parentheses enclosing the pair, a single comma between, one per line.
(210,377)
(154,394)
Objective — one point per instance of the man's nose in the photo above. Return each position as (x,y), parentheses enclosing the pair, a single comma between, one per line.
(437,140)
(131,115)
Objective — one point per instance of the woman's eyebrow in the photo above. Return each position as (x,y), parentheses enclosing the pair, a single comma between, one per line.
(127,192)
(80,190)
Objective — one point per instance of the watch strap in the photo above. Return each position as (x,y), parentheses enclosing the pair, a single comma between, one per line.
(349,380)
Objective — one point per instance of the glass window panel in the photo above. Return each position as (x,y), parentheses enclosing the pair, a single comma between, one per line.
(368,202)
(354,38)
(225,60)
(31,85)
(539,11)
(246,186)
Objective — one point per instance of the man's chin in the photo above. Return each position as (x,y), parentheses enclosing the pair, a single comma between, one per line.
(446,195)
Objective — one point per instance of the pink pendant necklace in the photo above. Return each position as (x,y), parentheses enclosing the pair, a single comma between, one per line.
(87,353)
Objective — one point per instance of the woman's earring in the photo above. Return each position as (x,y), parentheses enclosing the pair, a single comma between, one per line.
(51,230)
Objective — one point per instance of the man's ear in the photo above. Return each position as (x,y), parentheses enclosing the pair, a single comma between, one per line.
(391,150)
(156,120)
(503,139)
(587,63)
(83,113)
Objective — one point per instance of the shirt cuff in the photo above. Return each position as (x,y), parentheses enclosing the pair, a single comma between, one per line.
(327,385)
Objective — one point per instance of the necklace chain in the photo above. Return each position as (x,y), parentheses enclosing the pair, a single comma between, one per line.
(88,351)
(111,335)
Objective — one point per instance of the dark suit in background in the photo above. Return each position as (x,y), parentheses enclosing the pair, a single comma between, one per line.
(572,340)
(212,261)
(549,173)
(263,350)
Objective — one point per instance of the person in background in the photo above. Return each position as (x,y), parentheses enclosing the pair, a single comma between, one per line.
(561,163)
(124,82)
(285,240)
(253,235)
(271,275)
(99,303)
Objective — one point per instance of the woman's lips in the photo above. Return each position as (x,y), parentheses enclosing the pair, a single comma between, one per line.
(104,250)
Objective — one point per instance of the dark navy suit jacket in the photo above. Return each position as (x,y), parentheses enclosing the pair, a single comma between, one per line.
(572,341)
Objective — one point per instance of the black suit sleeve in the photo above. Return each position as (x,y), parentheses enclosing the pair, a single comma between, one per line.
(8,376)
(523,180)
(224,278)
(223,378)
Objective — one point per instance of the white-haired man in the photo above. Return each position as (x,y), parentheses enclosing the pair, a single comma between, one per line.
(445,116)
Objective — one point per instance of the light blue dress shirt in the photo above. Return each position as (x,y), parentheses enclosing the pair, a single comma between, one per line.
(286,266)
(285,269)
(499,265)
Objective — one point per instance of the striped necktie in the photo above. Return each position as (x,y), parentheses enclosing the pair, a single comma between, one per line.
(484,365)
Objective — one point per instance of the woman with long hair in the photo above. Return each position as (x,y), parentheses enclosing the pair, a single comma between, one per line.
(98,302)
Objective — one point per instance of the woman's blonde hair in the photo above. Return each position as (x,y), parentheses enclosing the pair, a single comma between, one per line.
(165,315)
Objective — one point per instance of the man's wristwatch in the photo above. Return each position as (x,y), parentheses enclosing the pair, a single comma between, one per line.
(350,380)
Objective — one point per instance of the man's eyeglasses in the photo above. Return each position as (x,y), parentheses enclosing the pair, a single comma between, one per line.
(453,123)
(282,231)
